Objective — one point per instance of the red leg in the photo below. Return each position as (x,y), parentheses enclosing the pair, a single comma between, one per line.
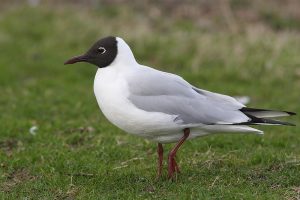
(172,165)
(176,166)
(160,152)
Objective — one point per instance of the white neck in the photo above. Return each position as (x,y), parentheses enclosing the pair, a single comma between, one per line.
(124,56)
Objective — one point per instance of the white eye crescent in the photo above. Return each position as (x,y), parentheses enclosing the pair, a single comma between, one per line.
(101,50)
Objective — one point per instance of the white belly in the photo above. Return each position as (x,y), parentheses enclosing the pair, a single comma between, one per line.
(111,92)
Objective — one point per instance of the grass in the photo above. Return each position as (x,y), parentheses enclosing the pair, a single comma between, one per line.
(77,154)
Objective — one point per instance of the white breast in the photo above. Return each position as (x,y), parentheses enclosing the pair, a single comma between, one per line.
(111,91)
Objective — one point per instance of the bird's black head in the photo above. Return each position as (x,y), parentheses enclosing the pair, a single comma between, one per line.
(101,54)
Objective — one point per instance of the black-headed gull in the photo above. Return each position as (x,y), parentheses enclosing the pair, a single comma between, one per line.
(161,106)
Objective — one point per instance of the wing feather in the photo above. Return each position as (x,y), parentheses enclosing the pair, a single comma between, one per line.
(156,91)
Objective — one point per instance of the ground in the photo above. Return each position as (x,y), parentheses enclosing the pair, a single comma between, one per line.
(56,144)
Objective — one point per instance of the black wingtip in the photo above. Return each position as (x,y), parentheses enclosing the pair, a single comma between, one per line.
(290,113)
(257,121)
(285,123)
(249,110)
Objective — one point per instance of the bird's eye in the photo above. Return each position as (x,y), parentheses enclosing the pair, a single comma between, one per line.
(101,50)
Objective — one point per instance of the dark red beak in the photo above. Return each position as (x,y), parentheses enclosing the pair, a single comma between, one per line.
(81,58)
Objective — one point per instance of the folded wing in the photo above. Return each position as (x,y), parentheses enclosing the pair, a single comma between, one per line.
(156,91)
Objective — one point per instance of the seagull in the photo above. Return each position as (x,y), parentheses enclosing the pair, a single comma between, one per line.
(161,106)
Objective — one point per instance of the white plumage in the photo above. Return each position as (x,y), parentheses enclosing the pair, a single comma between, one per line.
(158,105)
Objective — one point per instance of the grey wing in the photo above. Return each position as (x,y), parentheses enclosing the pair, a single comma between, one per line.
(155,91)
